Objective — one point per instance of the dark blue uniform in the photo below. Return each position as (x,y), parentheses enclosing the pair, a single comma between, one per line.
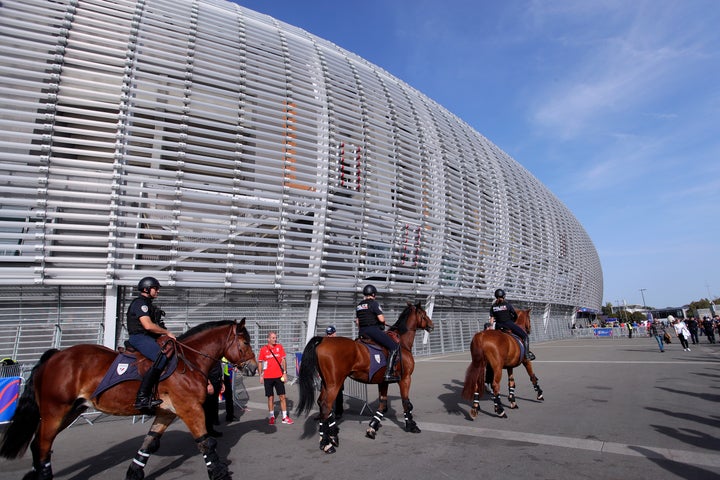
(144,341)
(505,316)
(367,313)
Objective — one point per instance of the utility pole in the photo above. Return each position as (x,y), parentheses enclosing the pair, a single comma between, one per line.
(642,292)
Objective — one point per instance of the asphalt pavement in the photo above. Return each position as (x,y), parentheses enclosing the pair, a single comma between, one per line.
(613,409)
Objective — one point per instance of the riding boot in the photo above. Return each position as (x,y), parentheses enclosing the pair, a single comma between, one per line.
(528,354)
(144,400)
(390,375)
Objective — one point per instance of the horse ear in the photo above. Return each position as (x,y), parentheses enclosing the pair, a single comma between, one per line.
(242,323)
(418,305)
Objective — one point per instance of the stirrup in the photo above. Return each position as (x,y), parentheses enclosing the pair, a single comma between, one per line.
(147,404)
(391,378)
(530,355)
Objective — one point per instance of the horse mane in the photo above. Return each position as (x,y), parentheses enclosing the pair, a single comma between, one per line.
(202,327)
(526,312)
(401,325)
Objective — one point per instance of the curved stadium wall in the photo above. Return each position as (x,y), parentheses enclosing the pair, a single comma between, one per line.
(256,170)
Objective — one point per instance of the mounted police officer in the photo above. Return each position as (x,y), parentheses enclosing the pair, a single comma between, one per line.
(504,315)
(145,325)
(370,319)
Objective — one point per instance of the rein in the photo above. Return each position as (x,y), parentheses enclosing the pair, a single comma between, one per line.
(181,347)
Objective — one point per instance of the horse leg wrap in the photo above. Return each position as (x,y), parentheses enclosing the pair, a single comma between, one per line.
(135,471)
(374,425)
(476,400)
(206,443)
(538,390)
(217,470)
(141,458)
(410,425)
(511,394)
(375,422)
(328,435)
(332,429)
(44,472)
(498,406)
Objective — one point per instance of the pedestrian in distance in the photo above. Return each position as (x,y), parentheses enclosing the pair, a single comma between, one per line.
(708,327)
(272,367)
(681,331)
(657,330)
(692,326)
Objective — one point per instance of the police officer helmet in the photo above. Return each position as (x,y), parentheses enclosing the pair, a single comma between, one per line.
(146,283)
(499,293)
(330,330)
(369,290)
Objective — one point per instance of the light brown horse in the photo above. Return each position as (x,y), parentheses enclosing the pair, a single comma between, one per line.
(336,358)
(61,386)
(497,350)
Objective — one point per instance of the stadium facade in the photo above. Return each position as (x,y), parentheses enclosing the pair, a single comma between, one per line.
(257,171)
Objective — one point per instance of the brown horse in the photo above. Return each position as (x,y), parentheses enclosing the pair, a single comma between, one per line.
(497,350)
(61,386)
(336,358)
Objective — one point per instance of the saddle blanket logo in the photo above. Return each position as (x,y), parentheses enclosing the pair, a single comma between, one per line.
(378,358)
(122,368)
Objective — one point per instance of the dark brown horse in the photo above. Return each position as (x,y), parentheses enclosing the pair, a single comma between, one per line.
(61,385)
(497,350)
(336,358)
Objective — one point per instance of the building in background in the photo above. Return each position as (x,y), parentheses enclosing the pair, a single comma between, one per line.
(257,171)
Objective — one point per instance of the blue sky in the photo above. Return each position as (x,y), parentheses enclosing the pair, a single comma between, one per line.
(613,104)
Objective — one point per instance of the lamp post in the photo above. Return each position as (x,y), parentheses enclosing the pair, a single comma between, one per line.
(642,292)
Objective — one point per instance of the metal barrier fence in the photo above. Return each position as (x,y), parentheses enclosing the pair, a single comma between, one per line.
(608,332)
(358,391)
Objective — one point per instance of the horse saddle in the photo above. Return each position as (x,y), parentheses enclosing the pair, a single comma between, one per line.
(378,357)
(125,367)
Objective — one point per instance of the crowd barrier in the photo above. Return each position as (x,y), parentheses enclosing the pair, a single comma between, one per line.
(608,332)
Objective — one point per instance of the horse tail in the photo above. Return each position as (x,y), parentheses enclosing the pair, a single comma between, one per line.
(26,419)
(475,373)
(306,377)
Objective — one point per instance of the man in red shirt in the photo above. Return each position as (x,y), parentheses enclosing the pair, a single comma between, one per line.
(272,366)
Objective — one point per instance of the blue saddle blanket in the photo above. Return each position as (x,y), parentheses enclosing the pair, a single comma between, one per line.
(124,368)
(378,359)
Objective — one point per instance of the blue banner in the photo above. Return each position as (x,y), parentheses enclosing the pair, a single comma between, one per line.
(603,332)
(9,392)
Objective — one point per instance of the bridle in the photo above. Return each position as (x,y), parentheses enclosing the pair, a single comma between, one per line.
(429,327)
(181,347)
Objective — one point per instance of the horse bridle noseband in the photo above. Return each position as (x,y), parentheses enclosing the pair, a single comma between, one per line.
(180,348)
